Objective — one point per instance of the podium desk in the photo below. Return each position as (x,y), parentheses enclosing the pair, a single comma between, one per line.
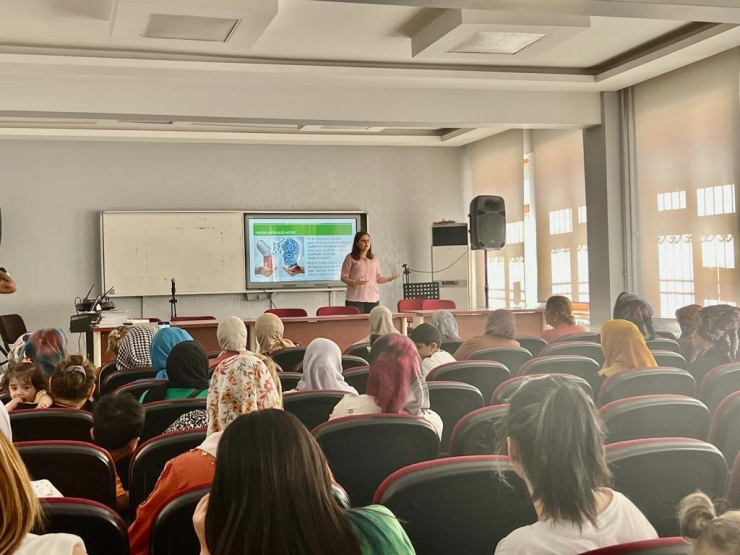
(473,322)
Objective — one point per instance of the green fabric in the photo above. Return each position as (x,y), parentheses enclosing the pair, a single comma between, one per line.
(379,531)
(178,393)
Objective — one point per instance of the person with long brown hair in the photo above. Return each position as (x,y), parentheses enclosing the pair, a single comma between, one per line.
(361,274)
(272,493)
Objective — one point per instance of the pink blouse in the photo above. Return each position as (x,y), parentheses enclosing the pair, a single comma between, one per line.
(366,270)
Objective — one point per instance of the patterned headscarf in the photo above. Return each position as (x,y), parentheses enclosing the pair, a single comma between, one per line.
(501,323)
(164,340)
(269,331)
(719,324)
(624,348)
(396,381)
(46,347)
(240,384)
(445,322)
(135,348)
(322,368)
(636,310)
(686,317)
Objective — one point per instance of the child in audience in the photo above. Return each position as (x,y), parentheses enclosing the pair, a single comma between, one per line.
(715,339)
(272,493)
(710,534)
(500,332)
(555,441)
(73,383)
(427,339)
(559,315)
(624,348)
(445,322)
(25,383)
(118,421)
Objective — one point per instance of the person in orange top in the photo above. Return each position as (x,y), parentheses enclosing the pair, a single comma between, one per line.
(559,315)
(624,348)
(500,332)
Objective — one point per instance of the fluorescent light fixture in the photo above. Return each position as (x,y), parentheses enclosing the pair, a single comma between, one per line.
(189,27)
(485,42)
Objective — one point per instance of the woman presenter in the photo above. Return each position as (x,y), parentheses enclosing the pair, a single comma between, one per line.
(361,273)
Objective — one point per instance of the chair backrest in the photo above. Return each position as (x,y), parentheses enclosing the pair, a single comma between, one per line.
(51,424)
(732,496)
(458,504)
(364,450)
(288,359)
(405,305)
(578,365)
(663,344)
(655,474)
(149,460)
(655,416)
(438,304)
(102,529)
(312,407)
(666,334)
(486,375)
(532,343)
(725,429)
(587,336)
(353,361)
(172,529)
(670,359)
(477,432)
(287,312)
(647,381)
(511,357)
(193,318)
(75,468)
(160,415)
(106,370)
(507,389)
(451,401)
(139,387)
(122,377)
(12,327)
(718,383)
(582,348)
(357,378)
(362,350)
(660,546)
(288,380)
(451,345)
(337,310)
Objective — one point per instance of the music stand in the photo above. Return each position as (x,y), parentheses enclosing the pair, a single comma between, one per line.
(426,290)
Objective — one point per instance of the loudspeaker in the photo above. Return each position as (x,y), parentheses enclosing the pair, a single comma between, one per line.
(487,223)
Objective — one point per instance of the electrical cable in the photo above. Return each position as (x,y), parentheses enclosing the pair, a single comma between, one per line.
(443,269)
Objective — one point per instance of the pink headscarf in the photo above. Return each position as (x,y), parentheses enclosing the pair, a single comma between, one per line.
(395,379)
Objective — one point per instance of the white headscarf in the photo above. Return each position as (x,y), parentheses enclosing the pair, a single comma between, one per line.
(5,423)
(232,334)
(322,368)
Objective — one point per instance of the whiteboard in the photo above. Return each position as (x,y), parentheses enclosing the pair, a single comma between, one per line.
(143,251)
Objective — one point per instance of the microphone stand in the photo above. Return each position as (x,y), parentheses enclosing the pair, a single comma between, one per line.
(173,301)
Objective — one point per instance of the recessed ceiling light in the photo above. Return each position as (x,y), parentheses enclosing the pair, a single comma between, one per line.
(189,27)
(484,42)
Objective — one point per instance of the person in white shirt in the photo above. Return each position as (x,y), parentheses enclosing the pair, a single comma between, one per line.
(555,442)
(427,339)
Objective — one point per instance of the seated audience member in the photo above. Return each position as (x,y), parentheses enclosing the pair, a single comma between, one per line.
(636,310)
(73,383)
(118,421)
(624,348)
(500,332)
(239,385)
(395,384)
(116,336)
(715,339)
(164,340)
(555,442)
(445,322)
(559,315)
(21,511)
(710,533)
(134,347)
(686,317)
(269,329)
(427,339)
(46,347)
(26,384)
(322,368)
(270,474)
(187,371)
(381,323)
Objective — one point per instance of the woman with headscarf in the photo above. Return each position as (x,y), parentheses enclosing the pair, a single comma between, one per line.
(714,339)
(187,371)
(636,310)
(395,384)
(686,317)
(240,384)
(500,332)
(381,323)
(445,322)
(559,315)
(134,349)
(269,330)
(46,347)
(322,368)
(624,348)
(164,340)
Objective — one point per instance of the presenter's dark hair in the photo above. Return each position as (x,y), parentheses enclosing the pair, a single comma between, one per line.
(356,250)
(272,492)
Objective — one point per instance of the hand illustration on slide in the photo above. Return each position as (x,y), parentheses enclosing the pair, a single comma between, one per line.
(264,271)
(294,270)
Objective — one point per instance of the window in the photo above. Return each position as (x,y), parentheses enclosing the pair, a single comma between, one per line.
(514,233)
(711,201)
(718,251)
(582,215)
(561,221)
(561,277)
(582,273)
(676,273)
(672,201)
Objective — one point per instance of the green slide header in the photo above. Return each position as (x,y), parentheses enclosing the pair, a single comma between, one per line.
(302,229)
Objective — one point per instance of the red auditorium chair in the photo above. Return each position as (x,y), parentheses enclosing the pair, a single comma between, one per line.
(655,416)
(438,304)
(51,424)
(337,311)
(663,344)
(486,375)
(160,415)
(139,387)
(451,401)
(670,359)
(647,381)
(511,357)
(312,407)
(585,336)
(149,460)
(75,468)
(357,378)
(287,312)
(581,348)
(451,345)
(409,305)
(172,531)
(656,474)
(718,383)
(458,505)
(666,334)
(348,362)
(532,343)
(584,367)
(288,359)
(661,546)
(362,350)
(476,432)
(122,377)
(507,389)
(102,530)
(106,370)
(288,380)
(725,429)
(191,318)
(364,450)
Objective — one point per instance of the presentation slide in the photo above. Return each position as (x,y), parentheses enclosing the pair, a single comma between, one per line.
(290,251)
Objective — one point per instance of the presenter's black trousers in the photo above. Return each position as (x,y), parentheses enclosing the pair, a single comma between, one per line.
(364,308)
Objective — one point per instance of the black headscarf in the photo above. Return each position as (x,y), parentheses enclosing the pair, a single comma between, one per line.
(187,368)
